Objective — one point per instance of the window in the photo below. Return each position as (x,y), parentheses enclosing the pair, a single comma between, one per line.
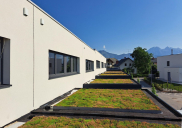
(89,65)
(68,63)
(4,62)
(105,65)
(125,64)
(130,64)
(168,63)
(61,64)
(98,64)
(51,63)
(74,64)
(102,65)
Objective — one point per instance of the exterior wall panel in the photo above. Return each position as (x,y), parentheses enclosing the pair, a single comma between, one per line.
(175,67)
(30,43)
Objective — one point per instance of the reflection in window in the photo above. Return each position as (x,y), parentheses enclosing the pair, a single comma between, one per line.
(51,63)
(60,63)
(98,64)
(74,64)
(86,64)
(68,60)
(89,65)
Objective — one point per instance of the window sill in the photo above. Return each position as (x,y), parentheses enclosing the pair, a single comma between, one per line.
(54,76)
(5,86)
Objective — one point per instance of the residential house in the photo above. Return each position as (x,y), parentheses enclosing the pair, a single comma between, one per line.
(126,63)
(111,62)
(154,60)
(170,68)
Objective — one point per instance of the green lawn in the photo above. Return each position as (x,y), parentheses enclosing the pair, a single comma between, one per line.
(115,72)
(64,122)
(107,74)
(122,81)
(109,98)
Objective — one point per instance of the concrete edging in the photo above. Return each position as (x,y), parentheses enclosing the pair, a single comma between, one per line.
(56,108)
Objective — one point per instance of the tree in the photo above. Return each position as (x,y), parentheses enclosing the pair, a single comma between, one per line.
(142,60)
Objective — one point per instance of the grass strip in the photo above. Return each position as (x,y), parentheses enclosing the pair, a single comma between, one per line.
(65,122)
(109,98)
(114,81)
(112,74)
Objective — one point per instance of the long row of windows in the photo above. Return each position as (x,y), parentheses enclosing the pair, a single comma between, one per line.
(102,64)
(89,65)
(62,64)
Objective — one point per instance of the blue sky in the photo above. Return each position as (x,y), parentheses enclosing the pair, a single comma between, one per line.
(120,25)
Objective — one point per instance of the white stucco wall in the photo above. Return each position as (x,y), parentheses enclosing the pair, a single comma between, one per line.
(175,67)
(128,62)
(29,46)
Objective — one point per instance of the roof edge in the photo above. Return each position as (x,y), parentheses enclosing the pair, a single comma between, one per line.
(60,24)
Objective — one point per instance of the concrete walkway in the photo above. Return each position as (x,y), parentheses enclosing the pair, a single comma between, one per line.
(173,99)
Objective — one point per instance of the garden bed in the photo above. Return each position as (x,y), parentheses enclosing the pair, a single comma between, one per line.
(107,98)
(113,76)
(113,84)
(107,74)
(113,81)
(114,72)
(51,121)
(164,86)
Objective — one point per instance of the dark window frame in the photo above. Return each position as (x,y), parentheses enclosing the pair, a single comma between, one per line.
(168,63)
(65,73)
(97,64)
(125,64)
(89,65)
(2,83)
(102,64)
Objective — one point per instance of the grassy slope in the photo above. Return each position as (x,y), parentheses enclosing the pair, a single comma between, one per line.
(115,72)
(64,122)
(112,74)
(109,98)
(112,81)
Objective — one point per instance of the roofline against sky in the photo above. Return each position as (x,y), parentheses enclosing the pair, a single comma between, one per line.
(61,25)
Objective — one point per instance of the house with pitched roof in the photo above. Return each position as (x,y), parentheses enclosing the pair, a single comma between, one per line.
(111,62)
(126,63)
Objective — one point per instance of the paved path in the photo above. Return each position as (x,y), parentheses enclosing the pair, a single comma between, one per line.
(173,99)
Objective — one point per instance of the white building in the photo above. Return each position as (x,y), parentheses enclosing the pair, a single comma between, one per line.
(126,63)
(170,68)
(41,59)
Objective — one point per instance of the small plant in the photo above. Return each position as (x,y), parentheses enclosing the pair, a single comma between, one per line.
(138,80)
(131,76)
(154,90)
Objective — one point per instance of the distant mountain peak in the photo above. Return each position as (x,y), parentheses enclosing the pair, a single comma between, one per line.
(156,51)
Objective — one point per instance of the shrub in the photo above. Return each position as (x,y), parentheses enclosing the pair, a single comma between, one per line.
(138,80)
(154,90)
(131,76)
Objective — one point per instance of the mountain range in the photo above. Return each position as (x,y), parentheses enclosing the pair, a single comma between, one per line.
(156,51)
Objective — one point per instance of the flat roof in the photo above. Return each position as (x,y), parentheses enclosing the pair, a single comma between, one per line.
(170,55)
(61,25)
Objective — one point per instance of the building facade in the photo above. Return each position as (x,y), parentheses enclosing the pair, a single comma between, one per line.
(126,63)
(111,62)
(41,59)
(170,68)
